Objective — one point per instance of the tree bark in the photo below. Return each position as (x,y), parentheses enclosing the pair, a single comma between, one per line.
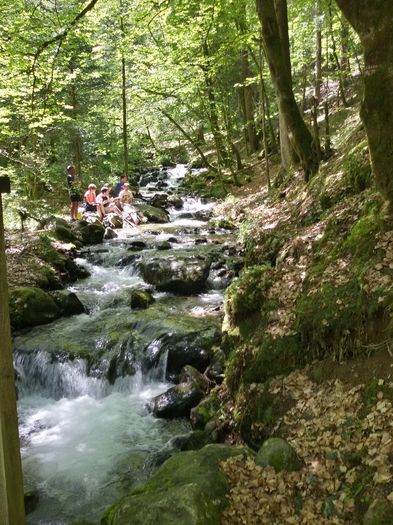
(12,510)
(299,136)
(373,21)
(124,98)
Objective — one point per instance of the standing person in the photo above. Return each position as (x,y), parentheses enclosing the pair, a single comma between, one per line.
(119,185)
(73,190)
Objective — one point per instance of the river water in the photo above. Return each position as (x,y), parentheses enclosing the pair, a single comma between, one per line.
(86,441)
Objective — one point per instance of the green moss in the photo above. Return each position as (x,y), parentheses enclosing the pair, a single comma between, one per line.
(357,168)
(31,307)
(246,295)
(255,364)
(188,489)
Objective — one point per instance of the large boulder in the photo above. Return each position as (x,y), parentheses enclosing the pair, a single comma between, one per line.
(188,489)
(68,302)
(279,454)
(186,275)
(31,307)
(91,233)
(151,213)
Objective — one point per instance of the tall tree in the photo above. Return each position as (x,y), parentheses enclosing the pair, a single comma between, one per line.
(275,38)
(373,22)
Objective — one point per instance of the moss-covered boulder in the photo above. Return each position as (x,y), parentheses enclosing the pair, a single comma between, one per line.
(188,489)
(380,512)
(151,213)
(31,307)
(207,409)
(91,233)
(68,302)
(279,454)
(140,299)
(180,275)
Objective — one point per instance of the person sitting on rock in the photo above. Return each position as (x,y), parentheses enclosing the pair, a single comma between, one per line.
(126,196)
(90,199)
(126,199)
(108,206)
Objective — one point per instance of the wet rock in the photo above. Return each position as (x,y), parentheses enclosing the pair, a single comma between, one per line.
(173,240)
(127,260)
(187,275)
(188,489)
(194,440)
(31,307)
(191,349)
(380,512)
(176,202)
(189,374)
(151,213)
(159,200)
(279,454)
(202,240)
(32,499)
(68,303)
(164,245)
(177,401)
(135,246)
(110,234)
(140,299)
(112,220)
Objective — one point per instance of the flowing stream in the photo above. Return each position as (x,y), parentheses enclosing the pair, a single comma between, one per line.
(85,439)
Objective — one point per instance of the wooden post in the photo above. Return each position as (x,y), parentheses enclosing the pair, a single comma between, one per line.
(12,510)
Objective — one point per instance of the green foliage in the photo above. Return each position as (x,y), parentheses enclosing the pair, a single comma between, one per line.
(246,295)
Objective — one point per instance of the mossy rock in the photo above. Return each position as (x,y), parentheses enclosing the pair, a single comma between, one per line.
(246,295)
(188,489)
(92,233)
(68,302)
(277,453)
(31,307)
(140,299)
(207,409)
(380,512)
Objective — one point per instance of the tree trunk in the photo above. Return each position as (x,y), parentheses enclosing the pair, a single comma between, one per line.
(12,510)
(124,99)
(341,87)
(317,76)
(248,94)
(222,154)
(373,21)
(274,40)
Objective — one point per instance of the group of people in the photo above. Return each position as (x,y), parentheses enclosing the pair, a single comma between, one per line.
(109,200)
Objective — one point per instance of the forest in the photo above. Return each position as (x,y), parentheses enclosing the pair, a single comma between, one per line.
(214,346)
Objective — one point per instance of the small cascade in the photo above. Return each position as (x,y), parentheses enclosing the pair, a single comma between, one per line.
(37,373)
(83,421)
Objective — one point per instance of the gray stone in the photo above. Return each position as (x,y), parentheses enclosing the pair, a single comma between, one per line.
(279,454)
